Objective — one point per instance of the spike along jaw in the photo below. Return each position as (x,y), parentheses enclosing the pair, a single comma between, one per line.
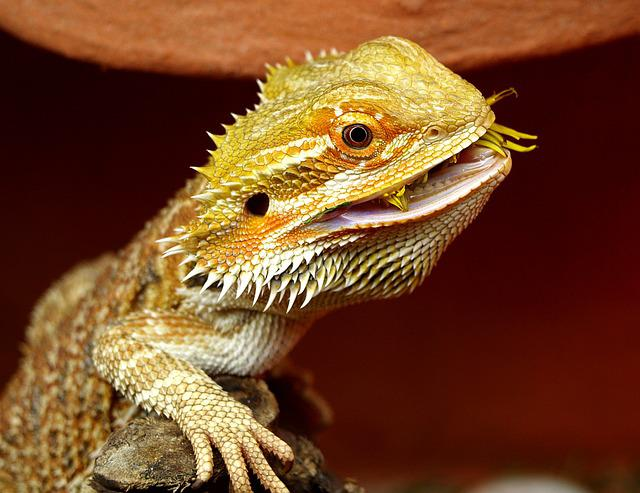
(337,151)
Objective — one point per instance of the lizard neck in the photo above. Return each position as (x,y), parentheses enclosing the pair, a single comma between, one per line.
(249,340)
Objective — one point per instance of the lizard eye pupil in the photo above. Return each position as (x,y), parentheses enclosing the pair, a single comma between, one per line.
(357,136)
(258,204)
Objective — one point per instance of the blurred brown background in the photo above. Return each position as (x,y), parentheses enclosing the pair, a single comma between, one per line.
(521,350)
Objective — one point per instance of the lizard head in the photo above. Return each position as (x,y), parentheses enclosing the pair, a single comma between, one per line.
(346,182)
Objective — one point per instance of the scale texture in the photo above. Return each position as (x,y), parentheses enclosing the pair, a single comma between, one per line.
(344,184)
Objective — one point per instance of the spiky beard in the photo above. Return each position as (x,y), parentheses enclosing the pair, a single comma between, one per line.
(339,270)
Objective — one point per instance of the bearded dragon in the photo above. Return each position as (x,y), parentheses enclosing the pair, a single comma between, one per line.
(345,184)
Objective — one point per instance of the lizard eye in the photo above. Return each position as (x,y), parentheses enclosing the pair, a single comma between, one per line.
(357,136)
(258,204)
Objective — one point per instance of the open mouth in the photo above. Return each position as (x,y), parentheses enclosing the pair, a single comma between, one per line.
(439,187)
(426,194)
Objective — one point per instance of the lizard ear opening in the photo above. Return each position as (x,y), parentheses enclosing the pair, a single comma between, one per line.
(258,204)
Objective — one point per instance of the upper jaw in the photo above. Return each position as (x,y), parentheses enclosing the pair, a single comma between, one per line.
(447,184)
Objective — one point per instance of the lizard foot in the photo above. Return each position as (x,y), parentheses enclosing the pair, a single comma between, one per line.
(233,430)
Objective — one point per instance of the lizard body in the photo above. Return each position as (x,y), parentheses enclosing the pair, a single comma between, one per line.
(346,183)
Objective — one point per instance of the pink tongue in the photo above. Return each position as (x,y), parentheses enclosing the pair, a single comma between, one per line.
(471,161)
(474,153)
(333,213)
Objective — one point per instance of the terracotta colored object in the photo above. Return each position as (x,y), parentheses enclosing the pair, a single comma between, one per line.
(521,350)
(235,38)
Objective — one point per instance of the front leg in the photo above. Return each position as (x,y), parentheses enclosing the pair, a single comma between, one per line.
(155,358)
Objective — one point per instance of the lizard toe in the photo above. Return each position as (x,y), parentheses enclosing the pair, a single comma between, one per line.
(272,443)
(259,465)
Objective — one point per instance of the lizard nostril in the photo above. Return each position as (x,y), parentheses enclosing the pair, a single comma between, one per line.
(258,204)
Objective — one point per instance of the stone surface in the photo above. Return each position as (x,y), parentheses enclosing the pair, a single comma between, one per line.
(237,38)
(150,454)
(147,453)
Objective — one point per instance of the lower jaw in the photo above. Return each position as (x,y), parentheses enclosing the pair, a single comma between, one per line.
(448,186)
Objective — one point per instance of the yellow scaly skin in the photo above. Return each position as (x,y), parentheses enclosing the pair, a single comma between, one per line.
(292,217)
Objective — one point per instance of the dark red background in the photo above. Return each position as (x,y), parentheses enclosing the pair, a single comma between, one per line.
(522,347)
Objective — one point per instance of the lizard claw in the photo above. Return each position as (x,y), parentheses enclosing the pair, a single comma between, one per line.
(240,440)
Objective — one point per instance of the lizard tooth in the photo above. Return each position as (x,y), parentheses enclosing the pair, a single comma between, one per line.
(405,254)
(227,282)
(173,251)
(207,171)
(261,95)
(360,273)
(331,271)
(304,279)
(256,295)
(197,270)
(259,283)
(258,276)
(295,263)
(320,276)
(211,278)
(272,297)
(272,270)
(168,239)
(310,292)
(375,282)
(188,259)
(217,139)
(243,281)
(308,256)
(287,254)
(205,197)
(283,267)
(370,261)
(284,282)
(234,270)
(270,275)
(281,295)
(232,185)
(373,272)
(294,290)
(407,268)
(350,280)
(308,56)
